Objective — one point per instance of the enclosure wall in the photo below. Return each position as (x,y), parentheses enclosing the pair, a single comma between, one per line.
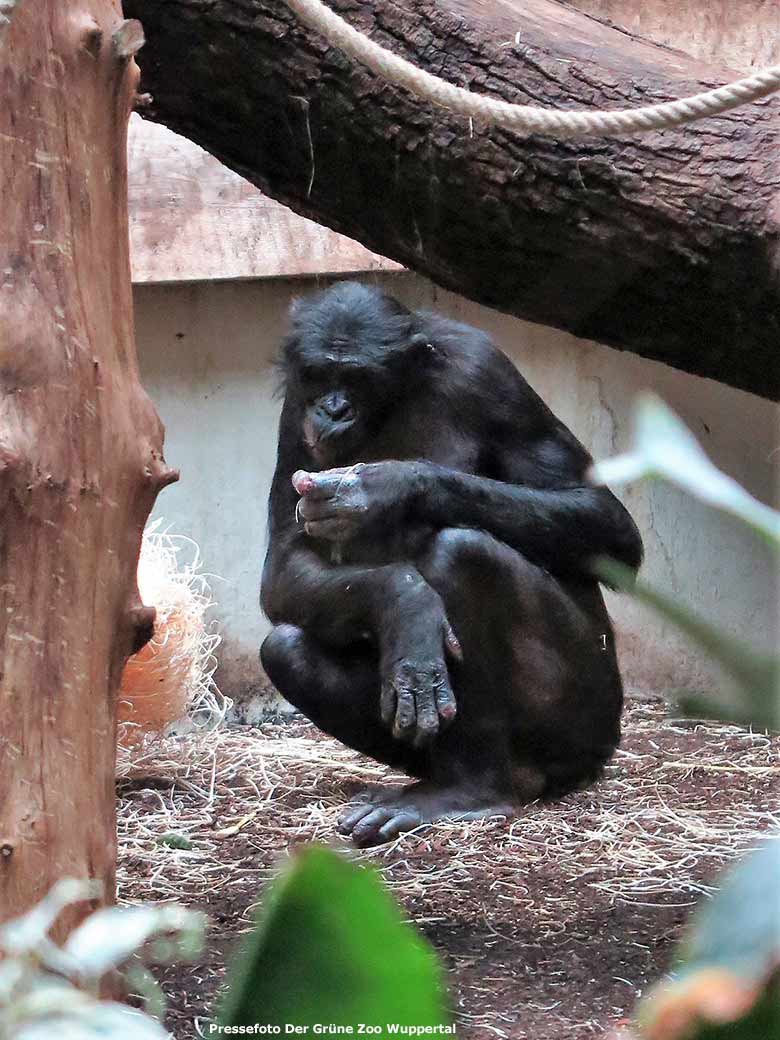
(206,353)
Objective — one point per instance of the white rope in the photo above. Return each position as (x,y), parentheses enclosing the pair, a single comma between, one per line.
(526,118)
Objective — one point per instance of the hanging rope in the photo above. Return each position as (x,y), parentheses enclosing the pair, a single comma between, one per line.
(526,118)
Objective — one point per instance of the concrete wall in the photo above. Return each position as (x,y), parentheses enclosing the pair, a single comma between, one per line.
(206,355)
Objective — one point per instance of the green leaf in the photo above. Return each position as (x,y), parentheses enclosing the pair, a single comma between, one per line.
(726,981)
(28,933)
(762,1021)
(739,928)
(174,840)
(97,1021)
(664,447)
(110,936)
(331,947)
(755,700)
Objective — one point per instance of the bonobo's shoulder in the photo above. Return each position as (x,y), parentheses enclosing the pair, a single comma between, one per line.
(477,367)
(456,340)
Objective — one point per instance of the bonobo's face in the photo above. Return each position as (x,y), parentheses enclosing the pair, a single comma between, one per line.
(344,367)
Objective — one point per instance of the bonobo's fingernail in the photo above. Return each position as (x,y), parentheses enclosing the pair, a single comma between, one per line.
(453,645)
(302,481)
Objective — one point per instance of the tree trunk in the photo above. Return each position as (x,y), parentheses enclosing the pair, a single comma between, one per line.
(664,244)
(80,444)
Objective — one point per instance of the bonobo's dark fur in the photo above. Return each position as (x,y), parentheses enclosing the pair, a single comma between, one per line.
(433,605)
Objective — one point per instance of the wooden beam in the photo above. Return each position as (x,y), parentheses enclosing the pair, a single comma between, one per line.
(665,244)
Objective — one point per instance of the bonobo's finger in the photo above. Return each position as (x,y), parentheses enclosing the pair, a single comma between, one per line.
(334,530)
(388,702)
(349,818)
(327,483)
(446,705)
(405,715)
(427,720)
(451,642)
(321,508)
(302,481)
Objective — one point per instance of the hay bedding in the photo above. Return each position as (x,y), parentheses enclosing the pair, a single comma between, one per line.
(549,924)
(169,683)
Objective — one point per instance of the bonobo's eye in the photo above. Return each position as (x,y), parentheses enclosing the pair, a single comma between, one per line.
(311,374)
(421,346)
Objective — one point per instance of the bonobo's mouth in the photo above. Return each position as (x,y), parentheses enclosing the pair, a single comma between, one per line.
(327,445)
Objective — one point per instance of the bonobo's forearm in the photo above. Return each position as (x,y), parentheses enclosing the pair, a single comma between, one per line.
(393,604)
(560,529)
(335,603)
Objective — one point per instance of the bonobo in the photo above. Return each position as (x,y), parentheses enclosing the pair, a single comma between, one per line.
(428,572)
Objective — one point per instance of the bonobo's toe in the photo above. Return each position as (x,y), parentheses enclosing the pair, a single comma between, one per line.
(352,816)
(383,823)
(403,809)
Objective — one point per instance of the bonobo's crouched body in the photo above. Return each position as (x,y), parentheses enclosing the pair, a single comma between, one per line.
(431,530)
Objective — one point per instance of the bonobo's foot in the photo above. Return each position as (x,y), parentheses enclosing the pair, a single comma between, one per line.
(382,815)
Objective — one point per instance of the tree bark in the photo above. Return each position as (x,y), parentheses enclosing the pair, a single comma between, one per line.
(664,244)
(80,443)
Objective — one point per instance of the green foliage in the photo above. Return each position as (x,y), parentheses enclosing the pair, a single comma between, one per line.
(753,697)
(48,990)
(726,984)
(664,448)
(174,840)
(740,928)
(330,947)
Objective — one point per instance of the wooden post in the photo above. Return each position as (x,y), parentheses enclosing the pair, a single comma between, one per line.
(80,443)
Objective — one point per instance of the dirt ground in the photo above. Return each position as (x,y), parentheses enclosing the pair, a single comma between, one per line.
(550,925)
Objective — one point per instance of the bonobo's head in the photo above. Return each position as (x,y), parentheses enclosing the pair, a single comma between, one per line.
(346,363)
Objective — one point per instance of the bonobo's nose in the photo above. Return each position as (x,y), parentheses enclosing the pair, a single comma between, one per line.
(337,407)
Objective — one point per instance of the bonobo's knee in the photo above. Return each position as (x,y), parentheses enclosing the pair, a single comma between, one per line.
(456,551)
(279,651)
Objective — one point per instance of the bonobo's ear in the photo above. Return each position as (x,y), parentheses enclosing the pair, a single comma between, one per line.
(297,308)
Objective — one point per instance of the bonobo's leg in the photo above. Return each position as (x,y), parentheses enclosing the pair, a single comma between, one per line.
(538,690)
(338,689)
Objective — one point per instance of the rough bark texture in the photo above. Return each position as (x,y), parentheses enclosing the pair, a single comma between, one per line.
(664,244)
(80,444)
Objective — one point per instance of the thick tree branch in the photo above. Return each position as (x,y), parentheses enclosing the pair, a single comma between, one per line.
(666,245)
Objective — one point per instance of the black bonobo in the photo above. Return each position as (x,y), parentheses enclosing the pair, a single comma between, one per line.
(431,530)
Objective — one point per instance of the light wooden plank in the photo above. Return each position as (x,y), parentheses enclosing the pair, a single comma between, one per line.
(192,219)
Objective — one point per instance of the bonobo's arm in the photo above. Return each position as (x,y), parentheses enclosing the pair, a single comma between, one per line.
(393,605)
(562,526)
(529,487)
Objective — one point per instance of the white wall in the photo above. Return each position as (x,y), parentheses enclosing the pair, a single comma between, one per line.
(206,355)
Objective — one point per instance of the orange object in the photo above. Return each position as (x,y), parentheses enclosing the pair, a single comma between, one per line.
(170,674)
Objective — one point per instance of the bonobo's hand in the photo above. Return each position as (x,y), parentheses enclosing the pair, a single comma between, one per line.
(416,695)
(341,504)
